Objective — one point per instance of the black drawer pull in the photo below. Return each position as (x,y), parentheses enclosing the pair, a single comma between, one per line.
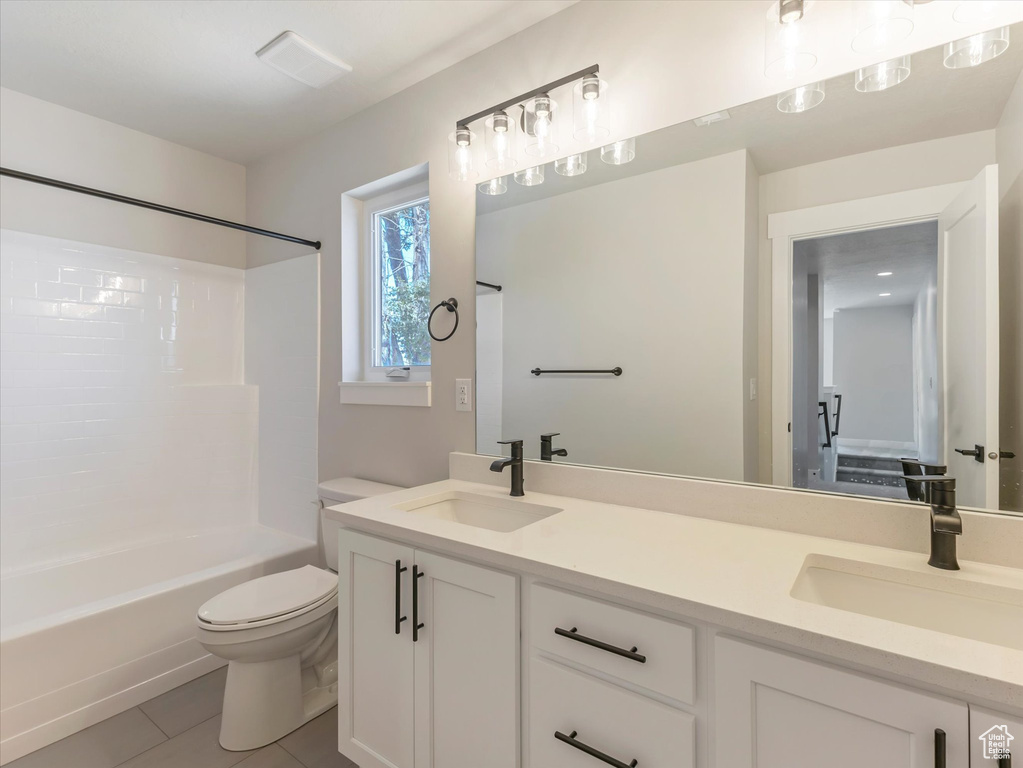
(416,623)
(939,748)
(399,569)
(572,741)
(573,634)
(1005,761)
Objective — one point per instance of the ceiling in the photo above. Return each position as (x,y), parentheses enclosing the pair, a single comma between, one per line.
(186,70)
(849,265)
(933,103)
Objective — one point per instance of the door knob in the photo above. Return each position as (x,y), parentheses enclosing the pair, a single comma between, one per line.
(977,452)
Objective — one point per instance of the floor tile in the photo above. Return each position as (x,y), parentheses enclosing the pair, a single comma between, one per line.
(188,705)
(195,748)
(315,743)
(270,757)
(103,745)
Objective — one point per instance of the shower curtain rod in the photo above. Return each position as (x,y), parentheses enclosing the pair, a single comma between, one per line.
(154,206)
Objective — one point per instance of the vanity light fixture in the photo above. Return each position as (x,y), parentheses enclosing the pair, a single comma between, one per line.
(619,153)
(537,116)
(884,274)
(496,186)
(788,52)
(880,77)
(880,24)
(801,99)
(530,177)
(573,165)
(976,49)
(460,151)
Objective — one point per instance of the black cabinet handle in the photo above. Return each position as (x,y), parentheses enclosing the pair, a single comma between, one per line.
(398,618)
(416,625)
(1005,761)
(572,741)
(939,748)
(573,634)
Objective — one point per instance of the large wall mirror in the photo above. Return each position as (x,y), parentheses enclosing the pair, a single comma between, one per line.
(801,291)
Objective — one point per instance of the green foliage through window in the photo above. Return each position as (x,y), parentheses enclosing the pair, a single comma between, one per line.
(403,237)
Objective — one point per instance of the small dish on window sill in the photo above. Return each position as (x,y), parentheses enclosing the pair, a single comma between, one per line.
(401,393)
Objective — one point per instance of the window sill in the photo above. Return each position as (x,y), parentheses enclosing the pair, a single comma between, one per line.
(401,393)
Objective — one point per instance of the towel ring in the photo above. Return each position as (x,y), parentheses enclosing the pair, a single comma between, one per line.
(451,305)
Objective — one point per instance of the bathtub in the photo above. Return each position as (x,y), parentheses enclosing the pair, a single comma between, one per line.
(84,640)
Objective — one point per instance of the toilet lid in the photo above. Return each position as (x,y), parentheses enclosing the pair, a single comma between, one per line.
(268,596)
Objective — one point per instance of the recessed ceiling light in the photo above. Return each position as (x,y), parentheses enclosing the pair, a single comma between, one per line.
(884,294)
(884,274)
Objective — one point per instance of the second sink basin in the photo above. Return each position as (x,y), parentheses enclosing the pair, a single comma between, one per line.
(479,511)
(956,606)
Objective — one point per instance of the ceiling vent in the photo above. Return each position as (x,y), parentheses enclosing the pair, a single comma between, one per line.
(298,58)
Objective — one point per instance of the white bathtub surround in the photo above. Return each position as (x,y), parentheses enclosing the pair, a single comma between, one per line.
(736,577)
(124,414)
(282,319)
(87,639)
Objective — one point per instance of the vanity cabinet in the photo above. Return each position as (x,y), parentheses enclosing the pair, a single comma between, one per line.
(428,658)
(989,732)
(774,710)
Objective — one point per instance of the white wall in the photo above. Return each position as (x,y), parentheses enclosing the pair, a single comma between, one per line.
(874,373)
(1009,154)
(656,56)
(48,140)
(282,315)
(122,410)
(660,295)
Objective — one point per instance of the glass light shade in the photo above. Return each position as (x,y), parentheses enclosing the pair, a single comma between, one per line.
(619,153)
(801,99)
(974,11)
(541,125)
(461,148)
(530,177)
(880,77)
(496,186)
(591,112)
(788,50)
(976,49)
(879,24)
(500,139)
(573,165)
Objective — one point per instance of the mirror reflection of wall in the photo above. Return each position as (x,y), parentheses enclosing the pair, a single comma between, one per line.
(735,271)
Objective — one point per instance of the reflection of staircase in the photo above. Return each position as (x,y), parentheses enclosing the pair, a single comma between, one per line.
(870,470)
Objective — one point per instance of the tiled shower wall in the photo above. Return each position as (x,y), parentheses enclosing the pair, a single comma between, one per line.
(123,413)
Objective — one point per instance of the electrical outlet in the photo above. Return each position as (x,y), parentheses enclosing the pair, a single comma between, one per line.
(463,394)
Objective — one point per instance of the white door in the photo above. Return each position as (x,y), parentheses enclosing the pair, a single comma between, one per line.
(376,710)
(467,666)
(779,711)
(968,266)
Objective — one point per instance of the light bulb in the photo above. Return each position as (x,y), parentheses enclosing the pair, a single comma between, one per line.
(619,153)
(496,186)
(801,99)
(573,165)
(976,49)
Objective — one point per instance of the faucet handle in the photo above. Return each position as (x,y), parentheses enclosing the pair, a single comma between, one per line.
(548,435)
(509,442)
(939,490)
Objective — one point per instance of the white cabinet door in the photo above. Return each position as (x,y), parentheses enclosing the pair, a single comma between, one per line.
(376,715)
(467,663)
(779,711)
(991,734)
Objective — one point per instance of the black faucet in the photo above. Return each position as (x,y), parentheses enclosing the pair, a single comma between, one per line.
(546,449)
(946,524)
(515,462)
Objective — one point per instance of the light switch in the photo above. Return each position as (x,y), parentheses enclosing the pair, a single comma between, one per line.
(463,394)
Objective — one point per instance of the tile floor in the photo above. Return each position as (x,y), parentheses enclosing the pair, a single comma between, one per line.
(179,730)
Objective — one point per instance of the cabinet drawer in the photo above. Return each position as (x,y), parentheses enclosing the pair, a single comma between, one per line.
(622,725)
(665,650)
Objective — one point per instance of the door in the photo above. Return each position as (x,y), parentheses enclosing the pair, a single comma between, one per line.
(774,710)
(466,666)
(376,714)
(968,265)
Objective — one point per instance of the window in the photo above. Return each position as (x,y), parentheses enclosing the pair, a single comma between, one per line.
(399,286)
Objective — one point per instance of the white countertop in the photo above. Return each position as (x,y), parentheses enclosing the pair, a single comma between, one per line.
(735,576)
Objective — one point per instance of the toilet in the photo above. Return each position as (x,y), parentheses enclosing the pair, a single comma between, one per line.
(278,634)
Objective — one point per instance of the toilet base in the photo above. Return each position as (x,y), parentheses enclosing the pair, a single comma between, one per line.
(266,700)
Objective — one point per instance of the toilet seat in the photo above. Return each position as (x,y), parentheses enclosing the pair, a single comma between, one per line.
(269,599)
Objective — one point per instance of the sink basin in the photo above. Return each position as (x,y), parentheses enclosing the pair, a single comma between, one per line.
(945,603)
(479,511)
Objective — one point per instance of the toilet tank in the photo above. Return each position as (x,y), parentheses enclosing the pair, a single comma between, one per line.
(340,491)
